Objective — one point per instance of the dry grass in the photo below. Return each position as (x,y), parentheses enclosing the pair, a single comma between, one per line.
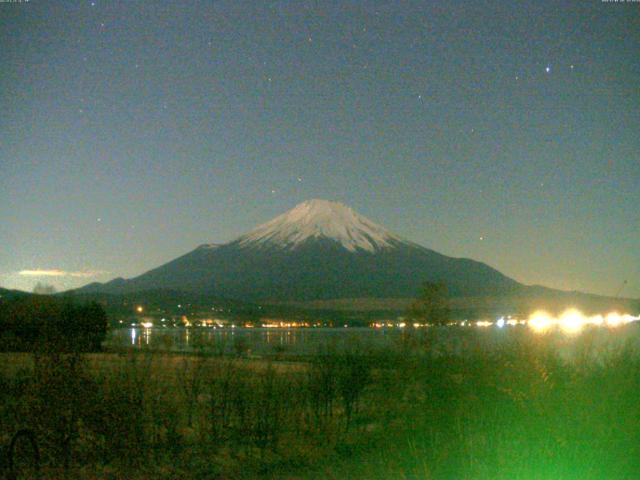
(519,412)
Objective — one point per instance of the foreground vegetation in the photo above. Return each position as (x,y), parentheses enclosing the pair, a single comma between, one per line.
(519,412)
(41,322)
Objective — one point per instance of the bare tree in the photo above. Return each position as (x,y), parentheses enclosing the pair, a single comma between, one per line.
(432,305)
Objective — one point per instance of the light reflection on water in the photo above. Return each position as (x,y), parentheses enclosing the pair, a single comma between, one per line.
(262,341)
(256,340)
(139,337)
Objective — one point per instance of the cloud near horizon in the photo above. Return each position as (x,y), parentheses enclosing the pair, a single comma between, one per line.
(58,273)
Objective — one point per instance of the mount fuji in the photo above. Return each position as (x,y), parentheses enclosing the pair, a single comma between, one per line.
(319,250)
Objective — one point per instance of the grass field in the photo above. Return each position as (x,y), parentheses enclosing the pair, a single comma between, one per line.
(520,412)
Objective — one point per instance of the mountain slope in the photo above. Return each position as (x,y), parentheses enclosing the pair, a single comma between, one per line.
(6,295)
(317,250)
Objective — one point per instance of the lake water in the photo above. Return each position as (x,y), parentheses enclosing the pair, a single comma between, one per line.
(259,341)
(305,341)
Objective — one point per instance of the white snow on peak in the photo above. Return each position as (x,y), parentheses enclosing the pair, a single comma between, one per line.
(321,219)
(209,246)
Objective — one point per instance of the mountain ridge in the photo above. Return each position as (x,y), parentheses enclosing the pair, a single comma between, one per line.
(321,251)
(318,250)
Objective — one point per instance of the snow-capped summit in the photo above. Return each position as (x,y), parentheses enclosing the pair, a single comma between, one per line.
(209,246)
(316,219)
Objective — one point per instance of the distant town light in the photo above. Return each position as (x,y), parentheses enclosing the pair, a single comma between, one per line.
(597,320)
(540,321)
(572,321)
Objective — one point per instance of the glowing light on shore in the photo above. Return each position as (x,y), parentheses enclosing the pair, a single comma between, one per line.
(540,321)
(572,320)
(614,319)
(597,320)
(146,324)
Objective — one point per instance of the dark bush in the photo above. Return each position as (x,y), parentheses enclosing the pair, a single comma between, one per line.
(45,323)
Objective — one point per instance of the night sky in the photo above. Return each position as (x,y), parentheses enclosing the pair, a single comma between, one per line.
(508,132)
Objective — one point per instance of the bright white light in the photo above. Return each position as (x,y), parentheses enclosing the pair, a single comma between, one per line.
(572,321)
(613,319)
(500,322)
(540,321)
(597,320)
